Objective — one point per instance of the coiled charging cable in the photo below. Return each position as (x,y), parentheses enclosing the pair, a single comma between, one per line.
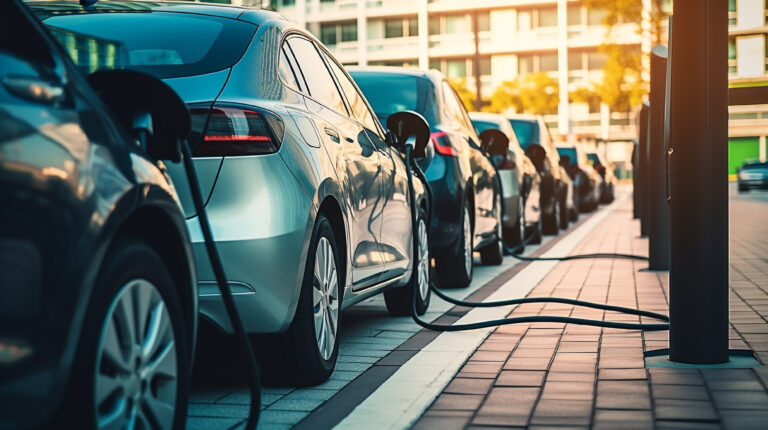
(414,167)
(254,382)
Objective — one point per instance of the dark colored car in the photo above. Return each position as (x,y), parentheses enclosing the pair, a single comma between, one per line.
(467,192)
(520,184)
(98,292)
(753,174)
(535,139)
(586,181)
(605,170)
(307,197)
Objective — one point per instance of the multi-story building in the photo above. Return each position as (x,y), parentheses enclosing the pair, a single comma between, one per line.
(487,40)
(748,67)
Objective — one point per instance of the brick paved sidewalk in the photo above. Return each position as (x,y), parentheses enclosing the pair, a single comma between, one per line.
(556,375)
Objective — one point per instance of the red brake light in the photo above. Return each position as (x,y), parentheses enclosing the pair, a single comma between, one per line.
(232,131)
(442,144)
(508,165)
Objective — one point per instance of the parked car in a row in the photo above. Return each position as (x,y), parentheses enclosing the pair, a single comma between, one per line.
(607,174)
(586,181)
(753,174)
(468,199)
(307,197)
(98,288)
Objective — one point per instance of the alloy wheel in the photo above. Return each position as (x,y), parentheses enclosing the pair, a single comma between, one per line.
(467,242)
(136,372)
(325,294)
(521,218)
(423,270)
(499,227)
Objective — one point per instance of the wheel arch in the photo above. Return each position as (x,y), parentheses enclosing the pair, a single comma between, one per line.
(331,209)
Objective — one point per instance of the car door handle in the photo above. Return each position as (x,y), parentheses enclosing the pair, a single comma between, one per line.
(334,135)
(34,89)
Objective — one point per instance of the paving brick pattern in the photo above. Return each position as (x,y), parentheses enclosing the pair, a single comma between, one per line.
(550,375)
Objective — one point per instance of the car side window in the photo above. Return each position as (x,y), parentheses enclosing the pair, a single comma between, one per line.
(286,70)
(16,27)
(356,101)
(320,84)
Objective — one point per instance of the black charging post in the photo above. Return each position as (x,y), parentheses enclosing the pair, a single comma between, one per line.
(641,182)
(658,220)
(698,163)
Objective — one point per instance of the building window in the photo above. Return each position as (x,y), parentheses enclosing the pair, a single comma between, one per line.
(456,69)
(456,24)
(596,16)
(434,25)
(393,28)
(484,22)
(524,64)
(524,20)
(436,64)
(287,2)
(548,63)
(548,17)
(595,60)
(575,60)
(349,32)
(413,27)
(485,66)
(328,34)
(574,15)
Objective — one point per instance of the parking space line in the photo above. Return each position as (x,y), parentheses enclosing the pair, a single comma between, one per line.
(403,398)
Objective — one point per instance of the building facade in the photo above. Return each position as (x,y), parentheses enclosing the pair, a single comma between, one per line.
(747,67)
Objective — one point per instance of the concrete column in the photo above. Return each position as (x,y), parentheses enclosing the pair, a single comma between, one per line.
(605,121)
(645,43)
(641,182)
(658,221)
(563,117)
(301,13)
(423,35)
(762,148)
(698,162)
(362,34)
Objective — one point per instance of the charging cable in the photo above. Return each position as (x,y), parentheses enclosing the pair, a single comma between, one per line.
(226,294)
(411,167)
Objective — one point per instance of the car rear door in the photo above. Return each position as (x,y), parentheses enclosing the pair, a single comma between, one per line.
(355,158)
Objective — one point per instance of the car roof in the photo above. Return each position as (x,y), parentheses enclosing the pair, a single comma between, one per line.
(487,116)
(252,15)
(566,145)
(432,75)
(523,116)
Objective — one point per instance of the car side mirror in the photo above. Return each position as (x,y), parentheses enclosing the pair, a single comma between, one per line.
(148,108)
(496,144)
(409,127)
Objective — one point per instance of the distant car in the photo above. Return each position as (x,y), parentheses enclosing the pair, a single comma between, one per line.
(467,191)
(308,200)
(753,174)
(520,184)
(586,181)
(98,289)
(534,138)
(605,169)
(571,212)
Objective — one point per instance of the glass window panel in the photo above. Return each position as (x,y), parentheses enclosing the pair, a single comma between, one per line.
(328,34)
(596,16)
(413,27)
(548,63)
(456,24)
(524,64)
(435,64)
(485,66)
(456,69)
(574,15)
(393,28)
(349,32)
(434,25)
(548,17)
(286,72)
(595,60)
(321,86)
(356,101)
(484,22)
(574,60)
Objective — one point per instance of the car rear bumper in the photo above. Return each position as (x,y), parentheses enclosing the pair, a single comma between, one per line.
(753,183)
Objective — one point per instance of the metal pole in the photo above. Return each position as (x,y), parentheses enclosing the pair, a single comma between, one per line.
(698,165)
(476,63)
(642,170)
(658,221)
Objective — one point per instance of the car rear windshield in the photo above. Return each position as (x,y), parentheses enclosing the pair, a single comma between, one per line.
(390,92)
(167,45)
(481,126)
(755,166)
(570,153)
(527,131)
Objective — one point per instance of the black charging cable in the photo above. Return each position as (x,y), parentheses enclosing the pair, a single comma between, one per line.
(411,167)
(226,293)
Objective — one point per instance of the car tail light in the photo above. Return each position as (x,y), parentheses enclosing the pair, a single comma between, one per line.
(508,165)
(233,130)
(600,168)
(443,144)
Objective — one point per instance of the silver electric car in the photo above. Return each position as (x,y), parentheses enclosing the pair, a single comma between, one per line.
(308,199)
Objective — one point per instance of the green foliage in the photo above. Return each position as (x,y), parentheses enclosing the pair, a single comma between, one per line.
(622,86)
(586,95)
(466,95)
(535,93)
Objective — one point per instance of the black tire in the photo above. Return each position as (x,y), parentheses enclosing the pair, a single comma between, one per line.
(573,214)
(533,233)
(399,300)
(295,357)
(451,264)
(513,237)
(493,253)
(550,221)
(564,214)
(128,262)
